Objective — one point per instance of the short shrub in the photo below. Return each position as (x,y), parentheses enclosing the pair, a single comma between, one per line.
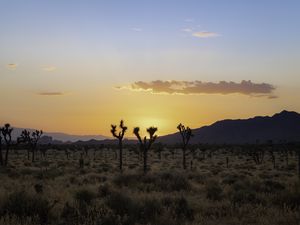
(214,191)
(23,205)
(84,196)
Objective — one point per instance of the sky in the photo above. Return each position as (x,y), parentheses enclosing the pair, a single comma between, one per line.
(79,66)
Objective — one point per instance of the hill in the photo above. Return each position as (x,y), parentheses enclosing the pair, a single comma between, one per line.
(283,126)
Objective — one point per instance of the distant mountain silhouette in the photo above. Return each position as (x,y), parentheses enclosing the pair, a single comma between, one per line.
(60,136)
(284,126)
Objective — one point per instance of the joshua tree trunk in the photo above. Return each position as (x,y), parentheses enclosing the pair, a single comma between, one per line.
(1,159)
(299,164)
(33,155)
(28,154)
(145,159)
(121,155)
(184,157)
(6,154)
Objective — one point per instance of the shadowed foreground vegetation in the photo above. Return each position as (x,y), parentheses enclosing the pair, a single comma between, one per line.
(220,185)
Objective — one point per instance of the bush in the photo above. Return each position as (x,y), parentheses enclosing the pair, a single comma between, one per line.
(84,196)
(214,191)
(124,207)
(178,206)
(23,205)
(166,182)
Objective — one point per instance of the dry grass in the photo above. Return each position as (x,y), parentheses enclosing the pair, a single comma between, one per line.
(55,191)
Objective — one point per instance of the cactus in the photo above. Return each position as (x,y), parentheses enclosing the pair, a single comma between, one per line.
(6,132)
(31,139)
(145,144)
(120,137)
(186,134)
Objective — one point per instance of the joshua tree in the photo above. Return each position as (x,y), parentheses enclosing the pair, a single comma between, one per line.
(186,134)
(120,137)
(30,139)
(6,132)
(1,158)
(145,144)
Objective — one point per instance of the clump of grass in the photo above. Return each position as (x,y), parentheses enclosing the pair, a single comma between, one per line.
(23,205)
(214,191)
(166,182)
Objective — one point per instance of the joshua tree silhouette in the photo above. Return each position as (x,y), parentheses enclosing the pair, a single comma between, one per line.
(186,134)
(1,158)
(120,137)
(31,140)
(145,144)
(6,132)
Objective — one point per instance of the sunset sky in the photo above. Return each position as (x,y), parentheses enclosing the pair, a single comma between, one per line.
(78,66)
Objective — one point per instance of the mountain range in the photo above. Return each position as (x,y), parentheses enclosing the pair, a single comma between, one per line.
(60,136)
(283,126)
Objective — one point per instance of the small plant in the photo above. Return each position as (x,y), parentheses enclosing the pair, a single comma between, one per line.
(214,191)
(145,144)
(32,140)
(186,134)
(23,205)
(120,137)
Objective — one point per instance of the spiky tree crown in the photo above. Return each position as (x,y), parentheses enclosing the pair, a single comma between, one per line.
(151,131)
(121,132)
(185,132)
(6,132)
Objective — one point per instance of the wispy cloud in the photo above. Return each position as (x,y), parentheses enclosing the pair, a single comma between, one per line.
(198,87)
(205,34)
(50,93)
(189,20)
(49,68)
(12,66)
(136,29)
(188,30)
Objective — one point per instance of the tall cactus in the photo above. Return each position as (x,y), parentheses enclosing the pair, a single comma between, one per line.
(120,137)
(31,139)
(145,144)
(186,134)
(6,132)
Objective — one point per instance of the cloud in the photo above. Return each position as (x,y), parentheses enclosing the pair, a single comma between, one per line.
(12,66)
(188,30)
(189,20)
(198,87)
(136,29)
(49,68)
(51,93)
(205,34)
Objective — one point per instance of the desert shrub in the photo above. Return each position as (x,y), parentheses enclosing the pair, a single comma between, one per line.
(104,190)
(95,214)
(243,193)
(214,191)
(166,182)
(51,173)
(179,207)
(38,188)
(23,205)
(271,186)
(232,178)
(149,209)
(288,198)
(173,182)
(123,206)
(84,196)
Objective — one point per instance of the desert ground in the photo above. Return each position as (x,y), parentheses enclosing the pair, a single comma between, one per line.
(221,185)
